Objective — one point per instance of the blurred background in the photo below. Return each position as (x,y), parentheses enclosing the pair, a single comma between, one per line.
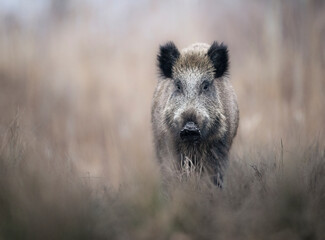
(78,76)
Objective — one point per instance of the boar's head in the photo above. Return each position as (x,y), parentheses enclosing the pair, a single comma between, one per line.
(194,112)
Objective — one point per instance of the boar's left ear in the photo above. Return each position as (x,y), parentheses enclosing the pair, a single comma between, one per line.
(218,54)
(167,57)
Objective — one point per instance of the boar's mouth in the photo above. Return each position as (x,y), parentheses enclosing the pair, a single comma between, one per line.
(190,132)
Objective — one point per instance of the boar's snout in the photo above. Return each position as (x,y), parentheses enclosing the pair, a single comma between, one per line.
(190,132)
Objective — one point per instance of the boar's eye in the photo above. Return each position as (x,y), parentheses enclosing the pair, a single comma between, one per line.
(178,86)
(205,86)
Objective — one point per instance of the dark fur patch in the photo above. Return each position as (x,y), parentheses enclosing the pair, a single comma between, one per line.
(213,130)
(167,56)
(189,116)
(218,54)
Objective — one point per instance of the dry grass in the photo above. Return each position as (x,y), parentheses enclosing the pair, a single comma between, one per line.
(76,154)
(268,194)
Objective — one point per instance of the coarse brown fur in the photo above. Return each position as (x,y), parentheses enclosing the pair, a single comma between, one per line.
(194,86)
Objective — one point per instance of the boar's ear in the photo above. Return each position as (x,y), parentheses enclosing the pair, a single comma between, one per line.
(168,54)
(218,54)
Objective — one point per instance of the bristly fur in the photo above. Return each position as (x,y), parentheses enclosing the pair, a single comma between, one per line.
(167,56)
(214,110)
(219,57)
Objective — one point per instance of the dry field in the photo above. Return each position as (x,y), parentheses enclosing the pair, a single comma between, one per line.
(76,151)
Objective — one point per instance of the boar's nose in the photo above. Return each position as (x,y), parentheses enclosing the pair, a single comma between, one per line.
(190,132)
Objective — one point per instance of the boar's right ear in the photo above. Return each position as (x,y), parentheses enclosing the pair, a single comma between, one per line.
(168,54)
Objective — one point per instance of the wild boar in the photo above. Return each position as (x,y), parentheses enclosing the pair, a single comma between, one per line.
(194,111)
